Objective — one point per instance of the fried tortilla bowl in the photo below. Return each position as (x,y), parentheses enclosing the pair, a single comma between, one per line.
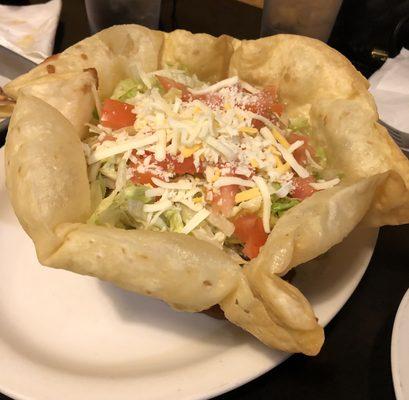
(48,185)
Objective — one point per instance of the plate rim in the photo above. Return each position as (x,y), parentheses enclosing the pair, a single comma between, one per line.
(396,377)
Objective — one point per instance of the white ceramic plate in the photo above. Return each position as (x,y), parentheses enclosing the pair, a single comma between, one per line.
(72,337)
(400,350)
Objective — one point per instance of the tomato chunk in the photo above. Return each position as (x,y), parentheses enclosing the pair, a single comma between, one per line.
(265,103)
(185,167)
(170,164)
(213,100)
(302,188)
(168,84)
(224,202)
(117,115)
(299,154)
(249,229)
(142,178)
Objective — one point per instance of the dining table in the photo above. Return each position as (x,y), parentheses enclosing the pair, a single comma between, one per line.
(355,361)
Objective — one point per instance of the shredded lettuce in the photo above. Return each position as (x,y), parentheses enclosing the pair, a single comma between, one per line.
(300,124)
(108,168)
(123,209)
(321,155)
(95,114)
(172,94)
(98,191)
(174,220)
(127,88)
(279,206)
(180,75)
(134,192)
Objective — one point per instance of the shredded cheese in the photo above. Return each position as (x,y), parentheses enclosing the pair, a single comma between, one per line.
(160,150)
(196,220)
(249,88)
(221,148)
(296,145)
(280,138)
(265,194)
(246,195)
(301,171)
(114,148)
(321,185)
(155,192)
(312,161)
(221,140)
(181,184)
(188,151)
(161,205)
(217,86)
(232,180)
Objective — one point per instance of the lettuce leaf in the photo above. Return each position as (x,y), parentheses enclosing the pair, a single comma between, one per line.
(174,220)
(321,155)
(279,206)
(127,89)
(123,209)
(300,124)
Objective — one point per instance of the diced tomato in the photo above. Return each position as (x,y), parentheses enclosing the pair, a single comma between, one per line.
(224,202)
(170,164)
(302,188)
(109,138)
(117,115)
(185,167)
(299,154)
(142,178)
(249,229)
(168,84)
(265,103)
(256,123)
(213,100)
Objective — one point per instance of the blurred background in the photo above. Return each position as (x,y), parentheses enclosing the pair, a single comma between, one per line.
(366,31)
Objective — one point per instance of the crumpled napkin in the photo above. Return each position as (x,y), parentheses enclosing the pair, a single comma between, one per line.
(30,30)
(390,87)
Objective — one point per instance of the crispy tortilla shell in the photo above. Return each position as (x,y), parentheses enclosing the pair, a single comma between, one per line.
(47,178)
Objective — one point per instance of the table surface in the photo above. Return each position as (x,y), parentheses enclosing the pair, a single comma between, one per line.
(355,360)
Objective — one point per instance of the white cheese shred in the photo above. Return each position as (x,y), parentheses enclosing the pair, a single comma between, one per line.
(179,185)
(196,220)
(265,195)
(248,87)
(217,86)
(160,150)
(300,170)
(161,205)
(296,145)
(322,185)
(312,161)
(112,148)
(233,180)
(221,148)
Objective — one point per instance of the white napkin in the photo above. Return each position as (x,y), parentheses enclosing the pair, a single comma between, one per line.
(390,87)
(30,30)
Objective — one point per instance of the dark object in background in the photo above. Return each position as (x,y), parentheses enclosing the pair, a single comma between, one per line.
(368,31)
(105,13)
